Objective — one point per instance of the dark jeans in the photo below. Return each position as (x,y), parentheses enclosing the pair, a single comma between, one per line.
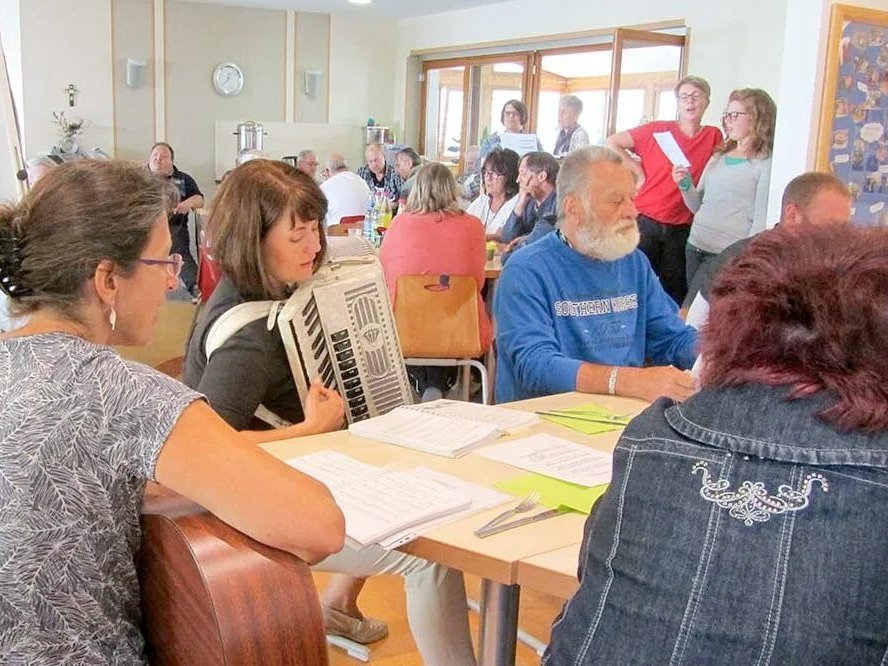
(182,245)
(695,260)
(664,245)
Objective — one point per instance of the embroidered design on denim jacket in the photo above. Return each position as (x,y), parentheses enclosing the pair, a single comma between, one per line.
(751,502)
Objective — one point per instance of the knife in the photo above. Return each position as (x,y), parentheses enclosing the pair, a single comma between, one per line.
(496,529)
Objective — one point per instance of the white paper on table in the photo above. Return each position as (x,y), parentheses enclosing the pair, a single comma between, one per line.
(381,501)
(505,420)
(520,143)
(671,149)
(556,457)
(482,498)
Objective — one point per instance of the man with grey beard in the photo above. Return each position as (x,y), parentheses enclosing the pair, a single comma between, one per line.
(581,309)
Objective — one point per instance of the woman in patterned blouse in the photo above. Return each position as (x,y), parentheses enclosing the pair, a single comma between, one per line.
(86,256)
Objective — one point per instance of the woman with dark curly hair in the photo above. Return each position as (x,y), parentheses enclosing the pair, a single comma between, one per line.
(499,177)
(731,200)
(749,524)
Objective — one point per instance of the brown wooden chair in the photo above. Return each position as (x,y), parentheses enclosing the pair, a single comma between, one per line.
(437,319)
(172,367)
(211,595)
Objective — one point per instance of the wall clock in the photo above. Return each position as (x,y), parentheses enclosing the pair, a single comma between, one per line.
(228,79)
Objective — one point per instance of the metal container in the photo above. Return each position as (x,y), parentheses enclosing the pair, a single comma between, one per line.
(250,136)
(375,134)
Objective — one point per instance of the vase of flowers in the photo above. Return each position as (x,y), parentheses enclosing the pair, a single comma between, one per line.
(68,131)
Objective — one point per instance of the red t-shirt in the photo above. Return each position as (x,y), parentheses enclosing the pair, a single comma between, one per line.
(432,243)
(659,197)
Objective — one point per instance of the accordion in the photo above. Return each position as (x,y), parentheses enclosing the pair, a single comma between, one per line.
(339,326)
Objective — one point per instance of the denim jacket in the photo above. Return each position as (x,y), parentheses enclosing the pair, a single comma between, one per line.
(738,528)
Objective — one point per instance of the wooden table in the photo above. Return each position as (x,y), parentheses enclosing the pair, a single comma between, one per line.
(554,572)
(496,560)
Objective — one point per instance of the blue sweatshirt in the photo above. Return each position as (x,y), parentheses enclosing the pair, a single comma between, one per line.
(556,308)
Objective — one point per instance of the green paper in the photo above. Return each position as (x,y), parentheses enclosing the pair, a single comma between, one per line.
(591,411)
(585,427)
(554,493)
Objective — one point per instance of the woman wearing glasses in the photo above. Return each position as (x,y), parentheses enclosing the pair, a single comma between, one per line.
(496,202)
(514,117)
(265,232)
(86,257)
(663,218)
(731,199)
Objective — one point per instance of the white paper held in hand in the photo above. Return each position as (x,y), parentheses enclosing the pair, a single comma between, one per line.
(552,456)
(670,148)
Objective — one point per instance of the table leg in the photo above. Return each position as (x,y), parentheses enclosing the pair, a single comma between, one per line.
(499,623)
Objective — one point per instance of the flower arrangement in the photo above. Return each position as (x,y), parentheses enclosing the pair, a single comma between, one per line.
(68,130)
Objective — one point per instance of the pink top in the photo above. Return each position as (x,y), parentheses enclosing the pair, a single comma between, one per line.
(437,243)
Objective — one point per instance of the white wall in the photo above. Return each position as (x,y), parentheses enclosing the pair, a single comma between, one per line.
(62,43)
(733,44)
(10,31)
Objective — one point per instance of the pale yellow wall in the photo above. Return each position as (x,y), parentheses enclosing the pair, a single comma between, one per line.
(133,37)
(198,37)
(312,53)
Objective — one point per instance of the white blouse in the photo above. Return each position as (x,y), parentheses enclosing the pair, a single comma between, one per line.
(493,222)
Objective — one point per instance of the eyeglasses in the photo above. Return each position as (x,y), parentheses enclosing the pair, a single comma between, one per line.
(173,264)
(511,113)
(693,97)
(492,175)
(733,115)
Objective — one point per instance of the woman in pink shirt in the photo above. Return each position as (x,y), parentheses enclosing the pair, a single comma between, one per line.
(434,236)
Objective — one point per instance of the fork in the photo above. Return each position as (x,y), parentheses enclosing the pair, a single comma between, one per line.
(526,504)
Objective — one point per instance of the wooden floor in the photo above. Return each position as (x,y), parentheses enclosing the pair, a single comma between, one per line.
(383,597)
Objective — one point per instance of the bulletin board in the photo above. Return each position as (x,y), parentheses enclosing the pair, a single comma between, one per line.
(853,138)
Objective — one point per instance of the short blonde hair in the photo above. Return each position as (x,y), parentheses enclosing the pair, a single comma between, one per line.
(435,191)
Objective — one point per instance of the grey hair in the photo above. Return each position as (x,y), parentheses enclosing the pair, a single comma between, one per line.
(698,82)
(435,191)
(337,163)
(43,160)
(303,154)
(572,101)
(574,174)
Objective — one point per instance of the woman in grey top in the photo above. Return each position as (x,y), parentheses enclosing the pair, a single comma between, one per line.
(731,200)
(86,255)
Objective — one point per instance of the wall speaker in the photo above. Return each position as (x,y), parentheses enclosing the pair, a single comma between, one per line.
(312,82)
(135,72)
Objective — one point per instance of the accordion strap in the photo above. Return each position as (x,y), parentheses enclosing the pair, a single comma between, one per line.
(234,319)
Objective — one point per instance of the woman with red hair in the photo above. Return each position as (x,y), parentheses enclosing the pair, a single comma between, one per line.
(749,524)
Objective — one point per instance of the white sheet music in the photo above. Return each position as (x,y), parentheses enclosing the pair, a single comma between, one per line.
(671,149)
(520,143)
(555,457)
(506,420)
(481,498)
(378,502)
(426,431)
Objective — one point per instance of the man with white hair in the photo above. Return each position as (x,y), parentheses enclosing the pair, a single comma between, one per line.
(581,309)
(307,163)
(347,193)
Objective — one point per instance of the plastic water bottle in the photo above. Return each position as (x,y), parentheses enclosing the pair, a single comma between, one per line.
(368,219)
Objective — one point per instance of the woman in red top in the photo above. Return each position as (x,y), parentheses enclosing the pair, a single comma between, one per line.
(663,218)
(434,236)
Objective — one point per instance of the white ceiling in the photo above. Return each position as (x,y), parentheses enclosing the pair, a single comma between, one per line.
(393,9)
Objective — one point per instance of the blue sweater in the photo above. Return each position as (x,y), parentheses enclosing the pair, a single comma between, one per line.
(556,308)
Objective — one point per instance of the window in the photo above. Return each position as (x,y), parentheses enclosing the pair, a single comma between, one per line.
(463,97)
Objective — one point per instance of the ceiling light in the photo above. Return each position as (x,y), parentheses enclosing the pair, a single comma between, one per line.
(360,2)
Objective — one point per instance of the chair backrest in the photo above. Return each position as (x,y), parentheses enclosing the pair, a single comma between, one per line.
(352,219)
(437,316)
(336,230)
(208,272)
(211,595)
